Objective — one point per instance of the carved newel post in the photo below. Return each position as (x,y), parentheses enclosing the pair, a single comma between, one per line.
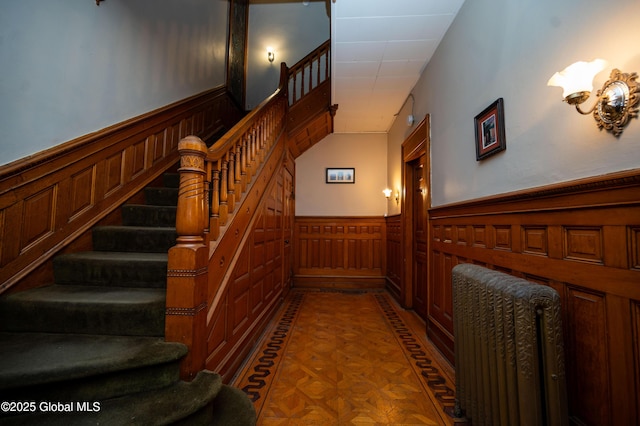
(185,319)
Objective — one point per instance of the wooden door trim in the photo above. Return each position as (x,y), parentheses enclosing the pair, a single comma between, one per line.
(416,145)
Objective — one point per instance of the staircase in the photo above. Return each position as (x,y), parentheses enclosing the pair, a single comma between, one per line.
(90,349)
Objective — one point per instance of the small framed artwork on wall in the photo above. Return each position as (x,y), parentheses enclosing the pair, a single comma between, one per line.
(489,124)
(343,175)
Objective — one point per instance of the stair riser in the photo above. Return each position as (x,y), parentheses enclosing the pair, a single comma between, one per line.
(171,180)
(152,240)
(161,196)
(97,388)
(68,270)
(142,215)
(124,320)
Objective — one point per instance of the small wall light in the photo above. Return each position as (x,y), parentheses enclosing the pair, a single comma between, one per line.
(617,100)
(271,54)
(387,194)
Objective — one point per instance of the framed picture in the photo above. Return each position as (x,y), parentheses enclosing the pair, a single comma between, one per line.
(344,175)
(490,130)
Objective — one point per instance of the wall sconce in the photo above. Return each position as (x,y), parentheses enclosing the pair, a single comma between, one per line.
(387,193)
(617,99)
(271,54)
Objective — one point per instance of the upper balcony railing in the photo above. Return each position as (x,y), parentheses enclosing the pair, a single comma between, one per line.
(309,73)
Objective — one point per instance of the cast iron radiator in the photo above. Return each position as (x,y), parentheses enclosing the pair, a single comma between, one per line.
(508,350)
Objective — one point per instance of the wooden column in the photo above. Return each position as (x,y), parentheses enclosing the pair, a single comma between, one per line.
(185,320)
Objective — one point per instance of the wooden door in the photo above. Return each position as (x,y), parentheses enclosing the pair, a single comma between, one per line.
(415,233)
(419,236)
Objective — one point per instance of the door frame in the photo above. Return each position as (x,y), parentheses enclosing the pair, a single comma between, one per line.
(414,146)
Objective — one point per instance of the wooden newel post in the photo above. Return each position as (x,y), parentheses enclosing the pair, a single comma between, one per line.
(187,272)
(191,214)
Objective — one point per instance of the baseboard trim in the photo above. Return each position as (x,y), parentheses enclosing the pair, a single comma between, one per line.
(337,281)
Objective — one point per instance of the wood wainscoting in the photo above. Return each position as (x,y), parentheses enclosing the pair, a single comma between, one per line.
(583,239)
(347,252)
(49,199)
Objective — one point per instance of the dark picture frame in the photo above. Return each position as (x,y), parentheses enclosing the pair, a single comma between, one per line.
(489,125)
(340,175)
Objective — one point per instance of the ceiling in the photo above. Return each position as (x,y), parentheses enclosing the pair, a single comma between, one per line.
(379,49)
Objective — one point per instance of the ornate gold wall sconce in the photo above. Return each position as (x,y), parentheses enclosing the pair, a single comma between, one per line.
(617,101)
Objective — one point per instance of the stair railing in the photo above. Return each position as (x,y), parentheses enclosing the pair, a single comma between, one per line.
(309,73)
(212,183)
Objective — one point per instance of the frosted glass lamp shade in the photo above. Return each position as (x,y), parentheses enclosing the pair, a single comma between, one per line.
(577,77)
(387,192)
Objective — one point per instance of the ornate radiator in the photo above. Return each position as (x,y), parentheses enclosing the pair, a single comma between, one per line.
(508,350)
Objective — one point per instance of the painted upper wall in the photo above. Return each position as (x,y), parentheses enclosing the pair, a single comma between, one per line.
(70,67)
(292,29)
(506,49)
(364,152)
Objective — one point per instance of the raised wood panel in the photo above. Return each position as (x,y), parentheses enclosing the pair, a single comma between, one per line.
(502,237)
(239,292)
(581,238)
(52,197)
(534,240)
(339,247)
(38,218)
(585,244)
(593,402)
(113,173)
(158,140)
(83,189)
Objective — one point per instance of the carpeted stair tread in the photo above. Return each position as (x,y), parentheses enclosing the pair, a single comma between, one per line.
(125,269)
(174,404)
(30,359)
(85,309)
(144,239)
(148,215)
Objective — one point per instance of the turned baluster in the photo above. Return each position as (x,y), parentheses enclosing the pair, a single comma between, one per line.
(214,220)
(245,162)
(231,184)
(224,194)
(238,168)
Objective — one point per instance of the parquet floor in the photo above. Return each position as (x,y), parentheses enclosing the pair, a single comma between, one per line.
(346,358)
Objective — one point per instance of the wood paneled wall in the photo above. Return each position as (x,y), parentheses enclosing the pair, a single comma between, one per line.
(50,198)
(339,251)
(582,239)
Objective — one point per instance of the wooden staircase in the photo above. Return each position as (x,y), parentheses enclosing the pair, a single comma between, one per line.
(231,199)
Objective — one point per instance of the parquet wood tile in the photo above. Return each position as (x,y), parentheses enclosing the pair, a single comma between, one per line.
(347,358)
